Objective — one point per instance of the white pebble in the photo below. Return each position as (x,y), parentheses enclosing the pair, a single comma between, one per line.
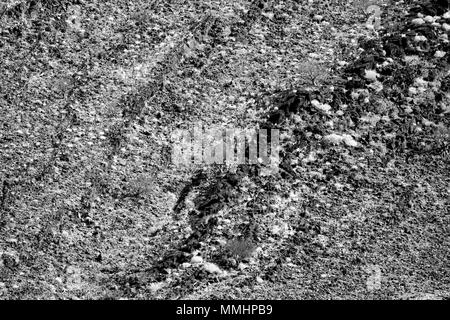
(371,75)
(418,21)
(420,82)
(412,90)
(196,260)
(276,230)
(429,19)
(212,268)
(440,54)
(420,38)
(348,140)
(318,17)
(334,138)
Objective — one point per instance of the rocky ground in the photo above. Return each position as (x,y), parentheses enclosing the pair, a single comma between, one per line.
(91,206)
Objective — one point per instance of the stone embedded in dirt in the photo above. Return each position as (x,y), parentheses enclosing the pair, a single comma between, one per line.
(420,38)
(276,230)
(446,27)
(212,268)
(429,19)
(440,54)
(411,59)
(338,186)
(428,123)
(371,75)
(419,82)
(268,15)
(323,240)
(418,21)
(446,15)
(315,103)
(348,140)
(72,270)
(408,109)
(221,242)
(412,91)
(259,280)
(232,261)
(152,231)
(377,86)
(156,286)
(196,260)
(242,266)
(335,138)
(324,107)
(318,17)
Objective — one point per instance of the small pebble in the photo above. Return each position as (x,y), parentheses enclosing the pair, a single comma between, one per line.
(418,21)
(420,38)
(412,90)
(440,54)
(318,17)
(212,268)
(429,19)
(196,260)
